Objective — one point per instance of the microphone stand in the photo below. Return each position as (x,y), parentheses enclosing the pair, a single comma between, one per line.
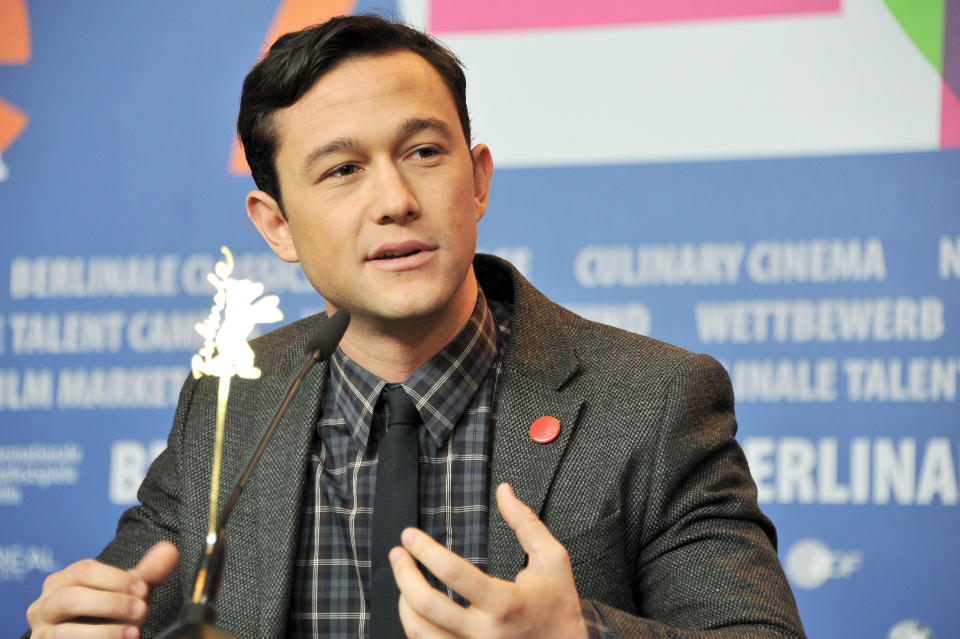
(197,615)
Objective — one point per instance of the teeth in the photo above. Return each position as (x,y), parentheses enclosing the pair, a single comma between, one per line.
(390,256)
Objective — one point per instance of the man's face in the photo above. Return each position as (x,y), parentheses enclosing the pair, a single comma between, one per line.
(380,192)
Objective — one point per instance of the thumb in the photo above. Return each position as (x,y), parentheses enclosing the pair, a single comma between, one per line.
(157,564)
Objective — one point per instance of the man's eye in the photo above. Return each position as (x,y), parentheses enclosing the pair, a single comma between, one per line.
(426,152)
(344,170)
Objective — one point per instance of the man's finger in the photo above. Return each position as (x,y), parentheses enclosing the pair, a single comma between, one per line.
(157,564)
(416,626)
(425,600)
(75,602)
(532,534)
(464,578)
(97,631)
(93,574)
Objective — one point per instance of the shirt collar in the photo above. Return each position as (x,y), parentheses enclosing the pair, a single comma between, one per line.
(441,389)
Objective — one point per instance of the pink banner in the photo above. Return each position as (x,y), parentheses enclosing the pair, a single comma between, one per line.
(497,15)
(949,119)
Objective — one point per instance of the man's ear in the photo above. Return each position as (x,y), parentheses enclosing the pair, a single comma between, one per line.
(482,172)
(266,215)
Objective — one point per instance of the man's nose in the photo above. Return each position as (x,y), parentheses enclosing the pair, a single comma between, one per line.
(394,201)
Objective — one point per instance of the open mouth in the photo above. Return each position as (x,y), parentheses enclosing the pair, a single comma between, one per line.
(393,256)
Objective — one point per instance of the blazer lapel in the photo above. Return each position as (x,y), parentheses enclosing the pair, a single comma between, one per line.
(539,362)
(277,486)
(527,466)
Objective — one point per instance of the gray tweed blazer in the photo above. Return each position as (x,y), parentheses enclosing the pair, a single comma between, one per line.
(645,485)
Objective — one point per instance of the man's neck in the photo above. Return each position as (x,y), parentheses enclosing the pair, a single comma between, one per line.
(393,351)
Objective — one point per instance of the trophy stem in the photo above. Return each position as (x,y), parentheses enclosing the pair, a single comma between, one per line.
(223,391)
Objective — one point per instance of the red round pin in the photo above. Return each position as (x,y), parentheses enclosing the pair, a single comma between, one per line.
(545,429)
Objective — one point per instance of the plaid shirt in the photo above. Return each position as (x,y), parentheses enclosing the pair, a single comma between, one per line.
(454,394)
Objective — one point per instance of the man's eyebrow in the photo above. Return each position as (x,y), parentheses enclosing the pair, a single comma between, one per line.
(415,125)
(336,146)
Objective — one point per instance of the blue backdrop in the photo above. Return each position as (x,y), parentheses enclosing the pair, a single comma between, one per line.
(824,277)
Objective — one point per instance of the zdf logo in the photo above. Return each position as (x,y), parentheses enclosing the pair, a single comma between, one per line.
(810,563)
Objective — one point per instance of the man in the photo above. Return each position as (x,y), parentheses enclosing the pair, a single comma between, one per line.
(638,518)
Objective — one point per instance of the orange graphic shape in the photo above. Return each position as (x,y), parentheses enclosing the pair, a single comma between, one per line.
(14,32)
(14,49)
(12,122)
(292,15)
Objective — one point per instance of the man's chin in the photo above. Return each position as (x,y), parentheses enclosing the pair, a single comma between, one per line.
(405,305)
(408,312)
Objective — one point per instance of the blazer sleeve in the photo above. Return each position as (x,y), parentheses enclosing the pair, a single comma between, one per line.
(157,518)
(706,564)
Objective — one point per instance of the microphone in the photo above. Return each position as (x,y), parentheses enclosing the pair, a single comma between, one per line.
(196,616)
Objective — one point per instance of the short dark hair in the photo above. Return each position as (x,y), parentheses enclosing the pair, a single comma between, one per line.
(297,60)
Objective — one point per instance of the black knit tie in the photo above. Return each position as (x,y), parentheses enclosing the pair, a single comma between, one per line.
(394,508)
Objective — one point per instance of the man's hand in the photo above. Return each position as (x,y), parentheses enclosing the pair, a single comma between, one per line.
(542,602)
(92,599)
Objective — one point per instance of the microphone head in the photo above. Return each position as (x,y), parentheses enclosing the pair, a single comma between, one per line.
(328,336)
